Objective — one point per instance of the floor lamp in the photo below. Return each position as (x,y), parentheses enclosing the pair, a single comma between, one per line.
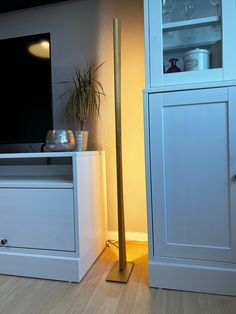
(121,270)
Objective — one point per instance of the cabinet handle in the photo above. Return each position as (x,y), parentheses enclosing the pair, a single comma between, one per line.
(3,242)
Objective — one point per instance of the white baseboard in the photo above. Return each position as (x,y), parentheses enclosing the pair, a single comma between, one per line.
(41,266)
(130,236)
(190,277)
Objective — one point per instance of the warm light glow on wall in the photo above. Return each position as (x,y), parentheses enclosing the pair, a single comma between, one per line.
(41,49)
(132,84)
(135,250)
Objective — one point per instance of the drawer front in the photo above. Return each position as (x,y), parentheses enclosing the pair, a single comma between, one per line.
(37,218)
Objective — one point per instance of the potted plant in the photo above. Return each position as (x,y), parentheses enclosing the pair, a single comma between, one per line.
(84,101)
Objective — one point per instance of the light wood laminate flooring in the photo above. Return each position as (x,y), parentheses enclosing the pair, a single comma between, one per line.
(94,295)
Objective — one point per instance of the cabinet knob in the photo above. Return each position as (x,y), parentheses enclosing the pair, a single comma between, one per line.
(3,242)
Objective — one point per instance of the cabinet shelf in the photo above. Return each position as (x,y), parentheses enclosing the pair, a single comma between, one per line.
(190,24)
(63,182)
(187,46)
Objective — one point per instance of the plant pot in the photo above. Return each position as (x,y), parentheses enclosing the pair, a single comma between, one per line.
(81,140)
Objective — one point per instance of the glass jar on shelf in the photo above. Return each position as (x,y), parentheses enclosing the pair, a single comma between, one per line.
(188,9)
(167,8)
(217,5)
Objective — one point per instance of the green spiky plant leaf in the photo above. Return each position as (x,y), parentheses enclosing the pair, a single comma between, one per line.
(85,98)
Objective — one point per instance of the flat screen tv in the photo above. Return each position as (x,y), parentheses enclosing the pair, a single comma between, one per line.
(25,89)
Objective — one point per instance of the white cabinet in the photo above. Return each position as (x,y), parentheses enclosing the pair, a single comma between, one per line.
(190,139)
(52,214)
(175,27)
(191,167)
(190,143)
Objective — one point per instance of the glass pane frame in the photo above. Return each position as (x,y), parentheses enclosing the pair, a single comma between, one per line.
(191,42)
(154,49)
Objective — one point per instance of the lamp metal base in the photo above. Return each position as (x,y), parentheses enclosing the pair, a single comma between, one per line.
(117,275)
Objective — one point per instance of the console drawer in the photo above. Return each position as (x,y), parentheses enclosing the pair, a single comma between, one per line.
(37,218)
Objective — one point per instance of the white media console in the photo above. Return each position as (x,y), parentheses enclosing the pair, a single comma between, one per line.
(52,213)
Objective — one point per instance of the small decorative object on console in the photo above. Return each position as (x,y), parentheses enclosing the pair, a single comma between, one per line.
(60,140)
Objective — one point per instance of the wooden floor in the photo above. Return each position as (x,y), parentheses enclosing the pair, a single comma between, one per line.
(95,295)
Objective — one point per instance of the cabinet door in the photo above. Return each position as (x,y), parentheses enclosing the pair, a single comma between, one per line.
(193,167)
(37,218)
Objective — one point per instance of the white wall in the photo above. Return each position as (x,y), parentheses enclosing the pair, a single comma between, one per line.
(81,32)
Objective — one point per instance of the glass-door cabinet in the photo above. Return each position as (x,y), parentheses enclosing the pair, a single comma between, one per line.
(190,41)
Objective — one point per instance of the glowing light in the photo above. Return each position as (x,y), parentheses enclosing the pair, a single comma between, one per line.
(41,49)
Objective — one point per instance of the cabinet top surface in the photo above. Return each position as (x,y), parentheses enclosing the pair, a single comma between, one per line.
(182,87)
(48,154)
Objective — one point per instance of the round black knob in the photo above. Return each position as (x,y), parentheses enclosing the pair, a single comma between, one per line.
(3,242)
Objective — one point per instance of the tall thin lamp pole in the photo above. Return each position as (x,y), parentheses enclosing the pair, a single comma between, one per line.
(121,270)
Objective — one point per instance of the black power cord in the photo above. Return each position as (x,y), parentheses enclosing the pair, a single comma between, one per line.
(110,242)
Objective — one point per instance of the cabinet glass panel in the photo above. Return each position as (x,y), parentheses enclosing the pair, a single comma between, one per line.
(192,35)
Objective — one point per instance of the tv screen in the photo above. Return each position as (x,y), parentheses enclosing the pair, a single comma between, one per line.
(25,89)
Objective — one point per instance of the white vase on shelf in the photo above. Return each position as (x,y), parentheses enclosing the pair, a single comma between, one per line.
(81,140)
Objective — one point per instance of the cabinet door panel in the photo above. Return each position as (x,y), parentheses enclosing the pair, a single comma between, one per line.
(191,175)
(37,218)
(196,176)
